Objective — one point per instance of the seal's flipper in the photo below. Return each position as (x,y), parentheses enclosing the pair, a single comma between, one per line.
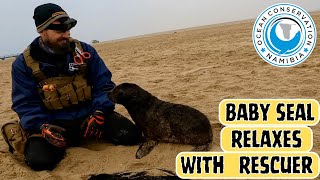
(145,148)
(205,147)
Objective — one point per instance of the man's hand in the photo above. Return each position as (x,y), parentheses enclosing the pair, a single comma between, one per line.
(53,134)
(93,126)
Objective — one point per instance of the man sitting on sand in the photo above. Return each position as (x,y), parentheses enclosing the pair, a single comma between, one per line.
(59,93)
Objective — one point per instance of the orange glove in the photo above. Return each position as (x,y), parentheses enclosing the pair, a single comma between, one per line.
(93,126)
(53,134)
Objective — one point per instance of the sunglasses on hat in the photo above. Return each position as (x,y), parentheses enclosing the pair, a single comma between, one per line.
(64,26)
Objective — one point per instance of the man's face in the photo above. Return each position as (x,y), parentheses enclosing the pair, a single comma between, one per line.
(57,40)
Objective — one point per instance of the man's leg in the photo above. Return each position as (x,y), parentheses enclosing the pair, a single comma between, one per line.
(121,131)
(41,155)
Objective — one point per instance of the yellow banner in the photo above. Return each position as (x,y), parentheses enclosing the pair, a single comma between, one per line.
(266,139)
(269,112)
(214,165)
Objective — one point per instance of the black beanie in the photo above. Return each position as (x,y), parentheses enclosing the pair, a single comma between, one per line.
(45,14)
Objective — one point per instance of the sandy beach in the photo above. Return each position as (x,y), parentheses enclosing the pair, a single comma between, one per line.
(198,67)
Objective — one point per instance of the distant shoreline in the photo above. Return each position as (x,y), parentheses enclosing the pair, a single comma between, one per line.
(12,56)
(177,30)
(188,29)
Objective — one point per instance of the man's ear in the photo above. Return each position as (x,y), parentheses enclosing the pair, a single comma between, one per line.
(43,35)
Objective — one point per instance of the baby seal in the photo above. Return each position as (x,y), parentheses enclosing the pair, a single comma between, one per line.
(162,121)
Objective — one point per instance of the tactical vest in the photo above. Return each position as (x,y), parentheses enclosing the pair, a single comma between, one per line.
(61,91)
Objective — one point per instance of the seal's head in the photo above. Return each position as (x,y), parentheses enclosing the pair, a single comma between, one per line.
(126,93)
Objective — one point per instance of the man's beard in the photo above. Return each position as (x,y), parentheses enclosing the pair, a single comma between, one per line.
(58,48)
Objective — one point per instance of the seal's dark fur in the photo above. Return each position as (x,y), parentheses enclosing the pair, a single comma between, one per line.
(162,121)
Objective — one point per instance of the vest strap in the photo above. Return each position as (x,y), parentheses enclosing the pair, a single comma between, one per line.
(33,65)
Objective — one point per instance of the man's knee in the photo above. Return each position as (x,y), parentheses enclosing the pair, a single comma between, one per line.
(122,131)
(41,155)
(128,136)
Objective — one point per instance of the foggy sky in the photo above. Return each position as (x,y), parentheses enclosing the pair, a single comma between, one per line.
(105,20)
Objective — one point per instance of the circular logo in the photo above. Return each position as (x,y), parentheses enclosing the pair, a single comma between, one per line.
(284,35)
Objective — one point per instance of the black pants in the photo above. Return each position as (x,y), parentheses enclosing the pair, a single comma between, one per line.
(41,155)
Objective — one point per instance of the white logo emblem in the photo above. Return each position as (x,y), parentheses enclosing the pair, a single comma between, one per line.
(73,67)
(284,35)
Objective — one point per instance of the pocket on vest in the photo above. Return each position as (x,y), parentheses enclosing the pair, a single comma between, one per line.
(68,95)
(87,92)
(82,89)
(55,103)
(14,136)
(50,94)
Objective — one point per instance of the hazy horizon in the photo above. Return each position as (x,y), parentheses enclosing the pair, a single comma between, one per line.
(112,20)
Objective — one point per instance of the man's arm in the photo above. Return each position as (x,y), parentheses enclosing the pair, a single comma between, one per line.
(100,77)
(26,101)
